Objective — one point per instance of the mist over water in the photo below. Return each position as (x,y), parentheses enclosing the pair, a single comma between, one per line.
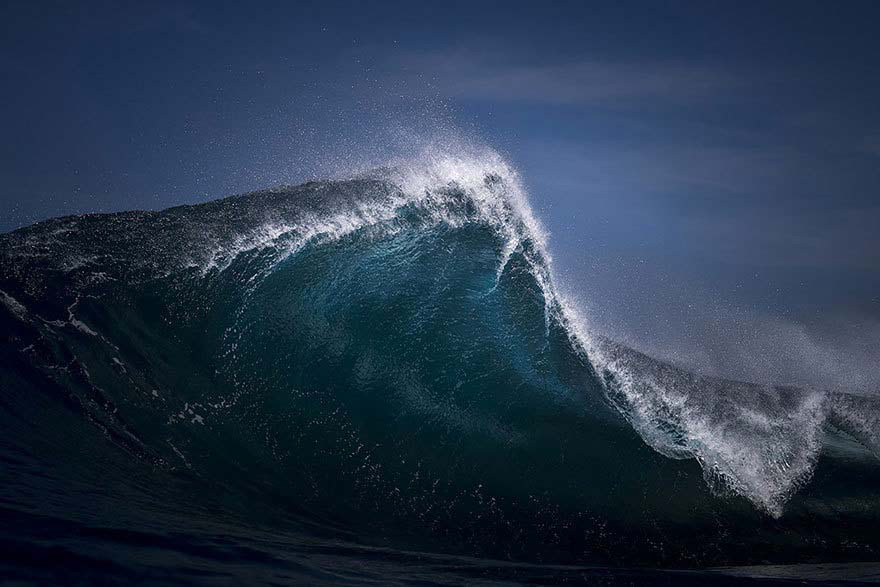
(701,330)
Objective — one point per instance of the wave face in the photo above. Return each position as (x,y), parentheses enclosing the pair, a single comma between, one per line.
(386,362)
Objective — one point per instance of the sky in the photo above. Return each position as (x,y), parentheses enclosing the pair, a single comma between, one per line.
(708,171)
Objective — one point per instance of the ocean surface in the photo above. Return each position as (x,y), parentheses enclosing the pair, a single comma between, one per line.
(375,380)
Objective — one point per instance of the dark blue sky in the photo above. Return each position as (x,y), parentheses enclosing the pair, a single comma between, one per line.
(704,168)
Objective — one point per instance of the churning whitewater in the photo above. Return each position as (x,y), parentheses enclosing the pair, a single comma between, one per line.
(385,359)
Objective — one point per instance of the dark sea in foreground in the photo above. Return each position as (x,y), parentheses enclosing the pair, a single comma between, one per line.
(376,381)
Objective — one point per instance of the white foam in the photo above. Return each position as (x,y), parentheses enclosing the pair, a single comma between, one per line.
(759,442)
(17,308)
(430,180)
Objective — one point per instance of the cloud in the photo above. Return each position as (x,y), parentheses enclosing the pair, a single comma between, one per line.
(872,145)
(496,77)
(764,205)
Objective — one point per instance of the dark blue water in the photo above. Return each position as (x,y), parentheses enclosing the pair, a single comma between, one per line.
(376,381)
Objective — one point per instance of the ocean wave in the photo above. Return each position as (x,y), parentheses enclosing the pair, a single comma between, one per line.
(393,346)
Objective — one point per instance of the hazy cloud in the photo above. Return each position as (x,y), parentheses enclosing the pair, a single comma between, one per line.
(585,81)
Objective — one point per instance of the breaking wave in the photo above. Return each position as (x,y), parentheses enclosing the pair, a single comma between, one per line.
(387,359)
